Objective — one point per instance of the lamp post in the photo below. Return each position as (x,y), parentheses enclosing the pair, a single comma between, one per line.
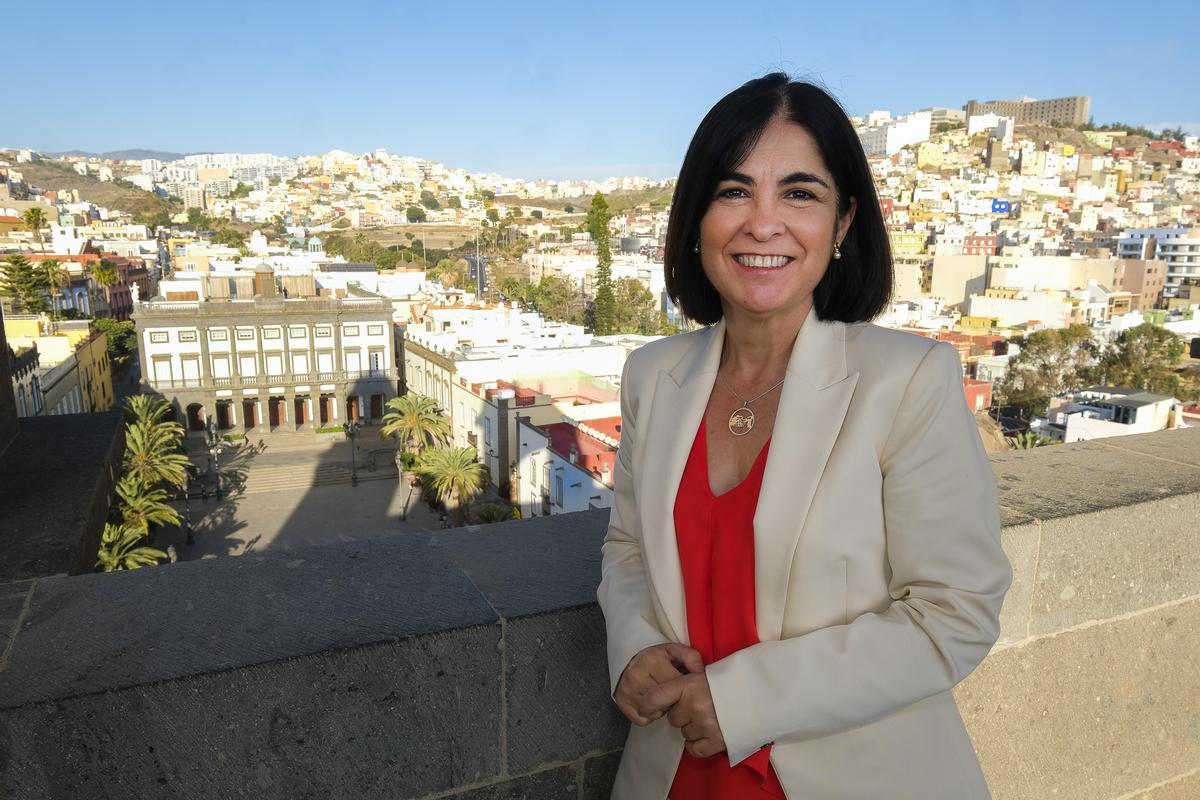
(215,442)
(352,429)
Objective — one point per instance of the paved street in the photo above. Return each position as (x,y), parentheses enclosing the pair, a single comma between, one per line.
(295,492)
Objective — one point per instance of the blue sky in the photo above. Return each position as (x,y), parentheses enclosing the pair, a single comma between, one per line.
(551,90)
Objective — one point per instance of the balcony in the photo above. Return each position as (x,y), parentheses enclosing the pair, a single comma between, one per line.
(470,663)
(264,381)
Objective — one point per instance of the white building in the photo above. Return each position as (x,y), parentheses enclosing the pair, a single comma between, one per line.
(888,137)
(1102,411)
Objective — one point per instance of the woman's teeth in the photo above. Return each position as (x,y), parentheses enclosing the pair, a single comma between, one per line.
(763,262)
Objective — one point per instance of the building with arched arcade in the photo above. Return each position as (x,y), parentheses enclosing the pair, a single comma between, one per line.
(269,363)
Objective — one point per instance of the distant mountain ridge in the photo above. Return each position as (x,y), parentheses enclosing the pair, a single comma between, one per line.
(136,154)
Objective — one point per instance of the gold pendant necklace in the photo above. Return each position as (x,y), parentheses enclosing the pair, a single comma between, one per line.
(741,421)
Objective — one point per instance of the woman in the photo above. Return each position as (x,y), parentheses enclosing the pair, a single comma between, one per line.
(803,556)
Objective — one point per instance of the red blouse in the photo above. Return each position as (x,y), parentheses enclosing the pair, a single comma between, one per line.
(715,536)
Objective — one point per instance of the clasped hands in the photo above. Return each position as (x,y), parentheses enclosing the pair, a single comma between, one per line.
(669,679)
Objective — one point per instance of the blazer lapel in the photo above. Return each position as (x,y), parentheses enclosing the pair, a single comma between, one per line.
(680,397)
(812,407)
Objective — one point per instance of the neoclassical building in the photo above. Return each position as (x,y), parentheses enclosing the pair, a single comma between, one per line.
(269,363)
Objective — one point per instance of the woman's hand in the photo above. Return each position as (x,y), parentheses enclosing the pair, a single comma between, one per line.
(689,705)
(649,668)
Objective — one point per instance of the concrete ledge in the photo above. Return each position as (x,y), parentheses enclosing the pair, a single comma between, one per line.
(470,664)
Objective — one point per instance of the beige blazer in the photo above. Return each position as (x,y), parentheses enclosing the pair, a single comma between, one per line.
(878,568)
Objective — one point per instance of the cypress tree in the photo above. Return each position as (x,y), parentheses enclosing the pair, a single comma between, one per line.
(604,307)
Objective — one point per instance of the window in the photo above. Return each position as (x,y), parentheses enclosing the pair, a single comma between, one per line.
(297,331)
(218,335)
(245,334)
(271,333)
(558,490)
(349,330)
(187,336)
(375,330)
(158,337)
(487,430)
(324,330)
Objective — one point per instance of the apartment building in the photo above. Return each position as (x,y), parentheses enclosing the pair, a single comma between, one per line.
(1073,110)
(269,363)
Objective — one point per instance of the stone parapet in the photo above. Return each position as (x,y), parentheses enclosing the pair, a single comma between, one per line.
(470,663)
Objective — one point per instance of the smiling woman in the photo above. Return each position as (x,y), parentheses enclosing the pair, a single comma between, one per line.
(803,556)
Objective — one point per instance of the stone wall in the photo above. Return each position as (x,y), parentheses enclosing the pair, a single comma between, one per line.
(469,664)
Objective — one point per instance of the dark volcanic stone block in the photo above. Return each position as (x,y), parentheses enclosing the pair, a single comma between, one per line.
(551,784)
(557,689)
(402,719)
(598,776)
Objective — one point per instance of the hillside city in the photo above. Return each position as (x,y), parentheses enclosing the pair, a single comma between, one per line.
(305,347)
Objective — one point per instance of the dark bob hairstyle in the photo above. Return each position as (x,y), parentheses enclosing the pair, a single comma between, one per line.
(855,288)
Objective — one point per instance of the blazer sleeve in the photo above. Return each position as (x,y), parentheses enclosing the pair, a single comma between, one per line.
(948,580)
(624,592)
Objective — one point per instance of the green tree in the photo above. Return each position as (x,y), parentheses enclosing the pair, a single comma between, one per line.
(454,475)
(24,283)
(122,338)
(35,220)
(487,194)
(1144,357)
(415,214)
(569,209)
(429,201)
(636,311)
(493,215)
(536,213)
(120,549)
(414,420)
(341,223)
(1050,362)
(557,299)
(142,506)
(604,308)
(55,278)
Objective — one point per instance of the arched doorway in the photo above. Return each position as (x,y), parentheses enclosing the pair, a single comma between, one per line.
(353,412)
(376,407)
(196,417)
(249,414)
(224,414)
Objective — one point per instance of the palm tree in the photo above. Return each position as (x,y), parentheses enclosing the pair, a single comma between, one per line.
(414,419)
(152,454)
(35,220)
(494,512)
(119,549)
(454,475)
(142,506)
(56,278)
(149,409)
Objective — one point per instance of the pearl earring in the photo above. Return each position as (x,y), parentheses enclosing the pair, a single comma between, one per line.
(837,251)
(696,247)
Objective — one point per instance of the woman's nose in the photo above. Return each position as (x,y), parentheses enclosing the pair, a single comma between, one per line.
(764,222)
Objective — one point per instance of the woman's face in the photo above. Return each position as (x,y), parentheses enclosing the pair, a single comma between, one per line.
(767,237)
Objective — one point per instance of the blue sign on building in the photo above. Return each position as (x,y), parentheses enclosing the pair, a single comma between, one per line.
(1000,206)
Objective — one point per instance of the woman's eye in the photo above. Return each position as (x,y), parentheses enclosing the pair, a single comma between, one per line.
(800,194)
(732,192)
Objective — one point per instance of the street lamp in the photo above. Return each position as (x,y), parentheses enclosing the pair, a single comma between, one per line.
(215,443)
(352,429)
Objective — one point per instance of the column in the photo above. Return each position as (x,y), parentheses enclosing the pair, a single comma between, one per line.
(333,415)
(232,415)
(258,410)
(312,422)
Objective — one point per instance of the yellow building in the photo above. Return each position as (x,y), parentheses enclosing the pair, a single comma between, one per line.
(930,156)
(57,342)
(909,243)
(95,372)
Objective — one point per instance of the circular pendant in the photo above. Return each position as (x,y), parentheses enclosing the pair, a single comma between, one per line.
(741,421)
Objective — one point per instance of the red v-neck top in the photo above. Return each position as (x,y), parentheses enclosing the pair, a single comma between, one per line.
(715,537)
